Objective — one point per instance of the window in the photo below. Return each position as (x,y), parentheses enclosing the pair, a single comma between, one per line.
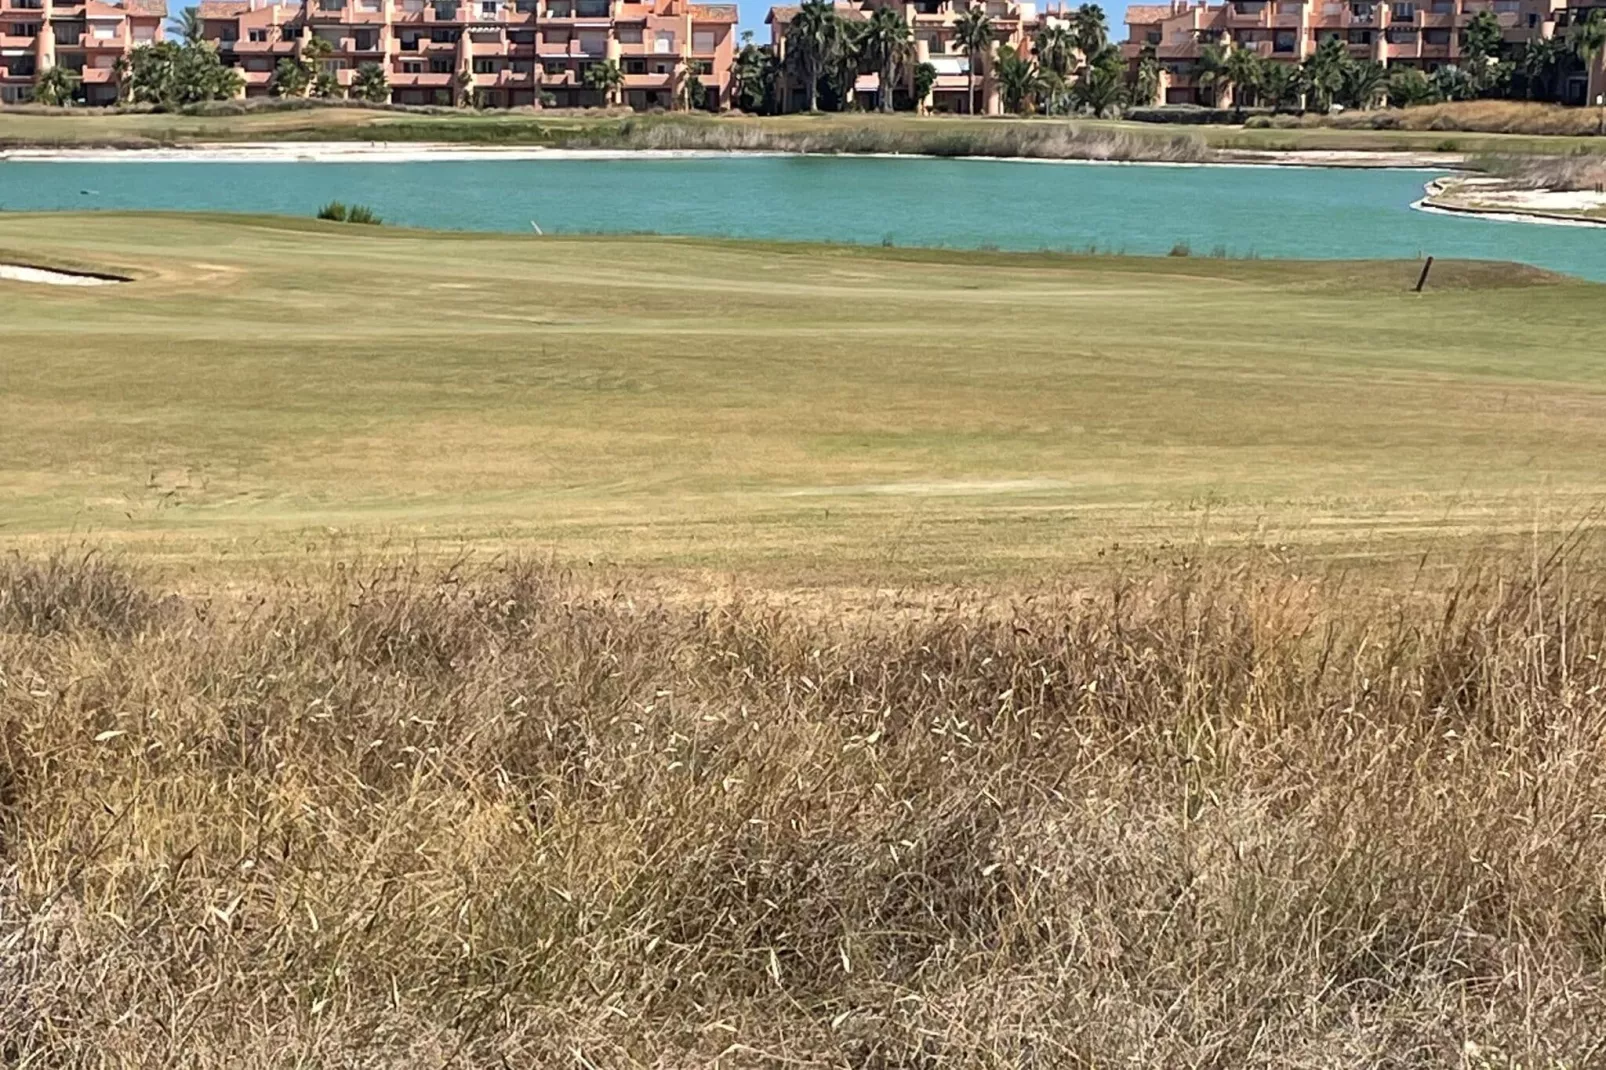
(489,9)
(664,42)
(702,41)
(22,66)
(1152,37)
(1436,37)
(366,41)
(701,67)
(16,94)
(28,5)
(522,37)
(445,11)
(331,5)
(485,66)
(1396,35)
(635,66)
(560,11)
(591,9)
(1284,41)
(259,63)
(106,31)
(68,33)
(1443,7)
(593,43)
(524,7)
(368,6)
(144,35)
(440,66)
(412,7)
(663,68)
(24,29)
(1360,37)
(630,35)
(1403,12)
(258,36)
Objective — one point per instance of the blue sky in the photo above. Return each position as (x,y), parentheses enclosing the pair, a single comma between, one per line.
(753,12)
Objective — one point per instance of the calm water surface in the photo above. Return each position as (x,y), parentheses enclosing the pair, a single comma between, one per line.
(1261,211)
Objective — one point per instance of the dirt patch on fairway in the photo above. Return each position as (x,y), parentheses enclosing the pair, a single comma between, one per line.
(935,488)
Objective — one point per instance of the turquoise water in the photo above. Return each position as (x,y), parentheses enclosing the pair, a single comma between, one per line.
(1260,211)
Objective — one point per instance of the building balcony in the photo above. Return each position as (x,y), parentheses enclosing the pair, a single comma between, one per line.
(7,41)
(422,80)
(105,44)
(649,81)
(263,48)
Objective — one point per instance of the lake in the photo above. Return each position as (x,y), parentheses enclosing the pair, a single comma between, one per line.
(1241,211)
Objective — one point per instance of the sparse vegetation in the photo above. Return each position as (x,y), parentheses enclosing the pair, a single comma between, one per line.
(336,212)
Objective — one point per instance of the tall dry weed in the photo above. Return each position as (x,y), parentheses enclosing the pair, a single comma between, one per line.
(492,816)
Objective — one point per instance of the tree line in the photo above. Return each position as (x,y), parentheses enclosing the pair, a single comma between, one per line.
(1490,68)
(1071,65)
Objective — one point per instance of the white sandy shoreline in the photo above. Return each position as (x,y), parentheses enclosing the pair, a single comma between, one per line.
(441,152)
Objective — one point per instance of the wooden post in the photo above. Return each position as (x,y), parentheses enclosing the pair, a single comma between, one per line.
(1422,279)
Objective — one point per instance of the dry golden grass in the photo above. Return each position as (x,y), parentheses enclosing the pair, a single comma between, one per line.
(492,816)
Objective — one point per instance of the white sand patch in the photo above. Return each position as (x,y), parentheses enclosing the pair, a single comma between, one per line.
(20,273)
(426,151)
(1493,199)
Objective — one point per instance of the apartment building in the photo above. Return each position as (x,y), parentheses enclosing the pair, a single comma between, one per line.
(87,38)
(1420,33)
(932,24)
(513,52)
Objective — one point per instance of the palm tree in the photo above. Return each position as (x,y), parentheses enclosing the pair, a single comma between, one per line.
(1363,83)
(754,76)
(885,43)
(1279,84)
(55,87)
(1538,63)
(369,83)
(1018,79)
(1245,72)
(692,91)
(290,78)
(604,78)
(1210,71)
(846,62)
(1099,90)
(1409,87)
(1090,29)
(189,25)
(973,29)
(1588,38)
(1324,72)
(1146,83)
(1055,47)
(810,40)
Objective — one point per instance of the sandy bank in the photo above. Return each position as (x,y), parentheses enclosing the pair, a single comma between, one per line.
(411,152)
(1493,198)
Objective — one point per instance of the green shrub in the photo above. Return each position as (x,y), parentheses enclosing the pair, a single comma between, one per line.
(336,212)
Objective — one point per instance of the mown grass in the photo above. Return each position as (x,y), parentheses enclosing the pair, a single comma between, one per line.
(500,815)
(805,414)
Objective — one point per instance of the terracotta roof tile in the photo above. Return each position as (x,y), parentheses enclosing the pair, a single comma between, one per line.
(786,14)
(224,9)
(714,12)
(147,7)
(1137,14)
